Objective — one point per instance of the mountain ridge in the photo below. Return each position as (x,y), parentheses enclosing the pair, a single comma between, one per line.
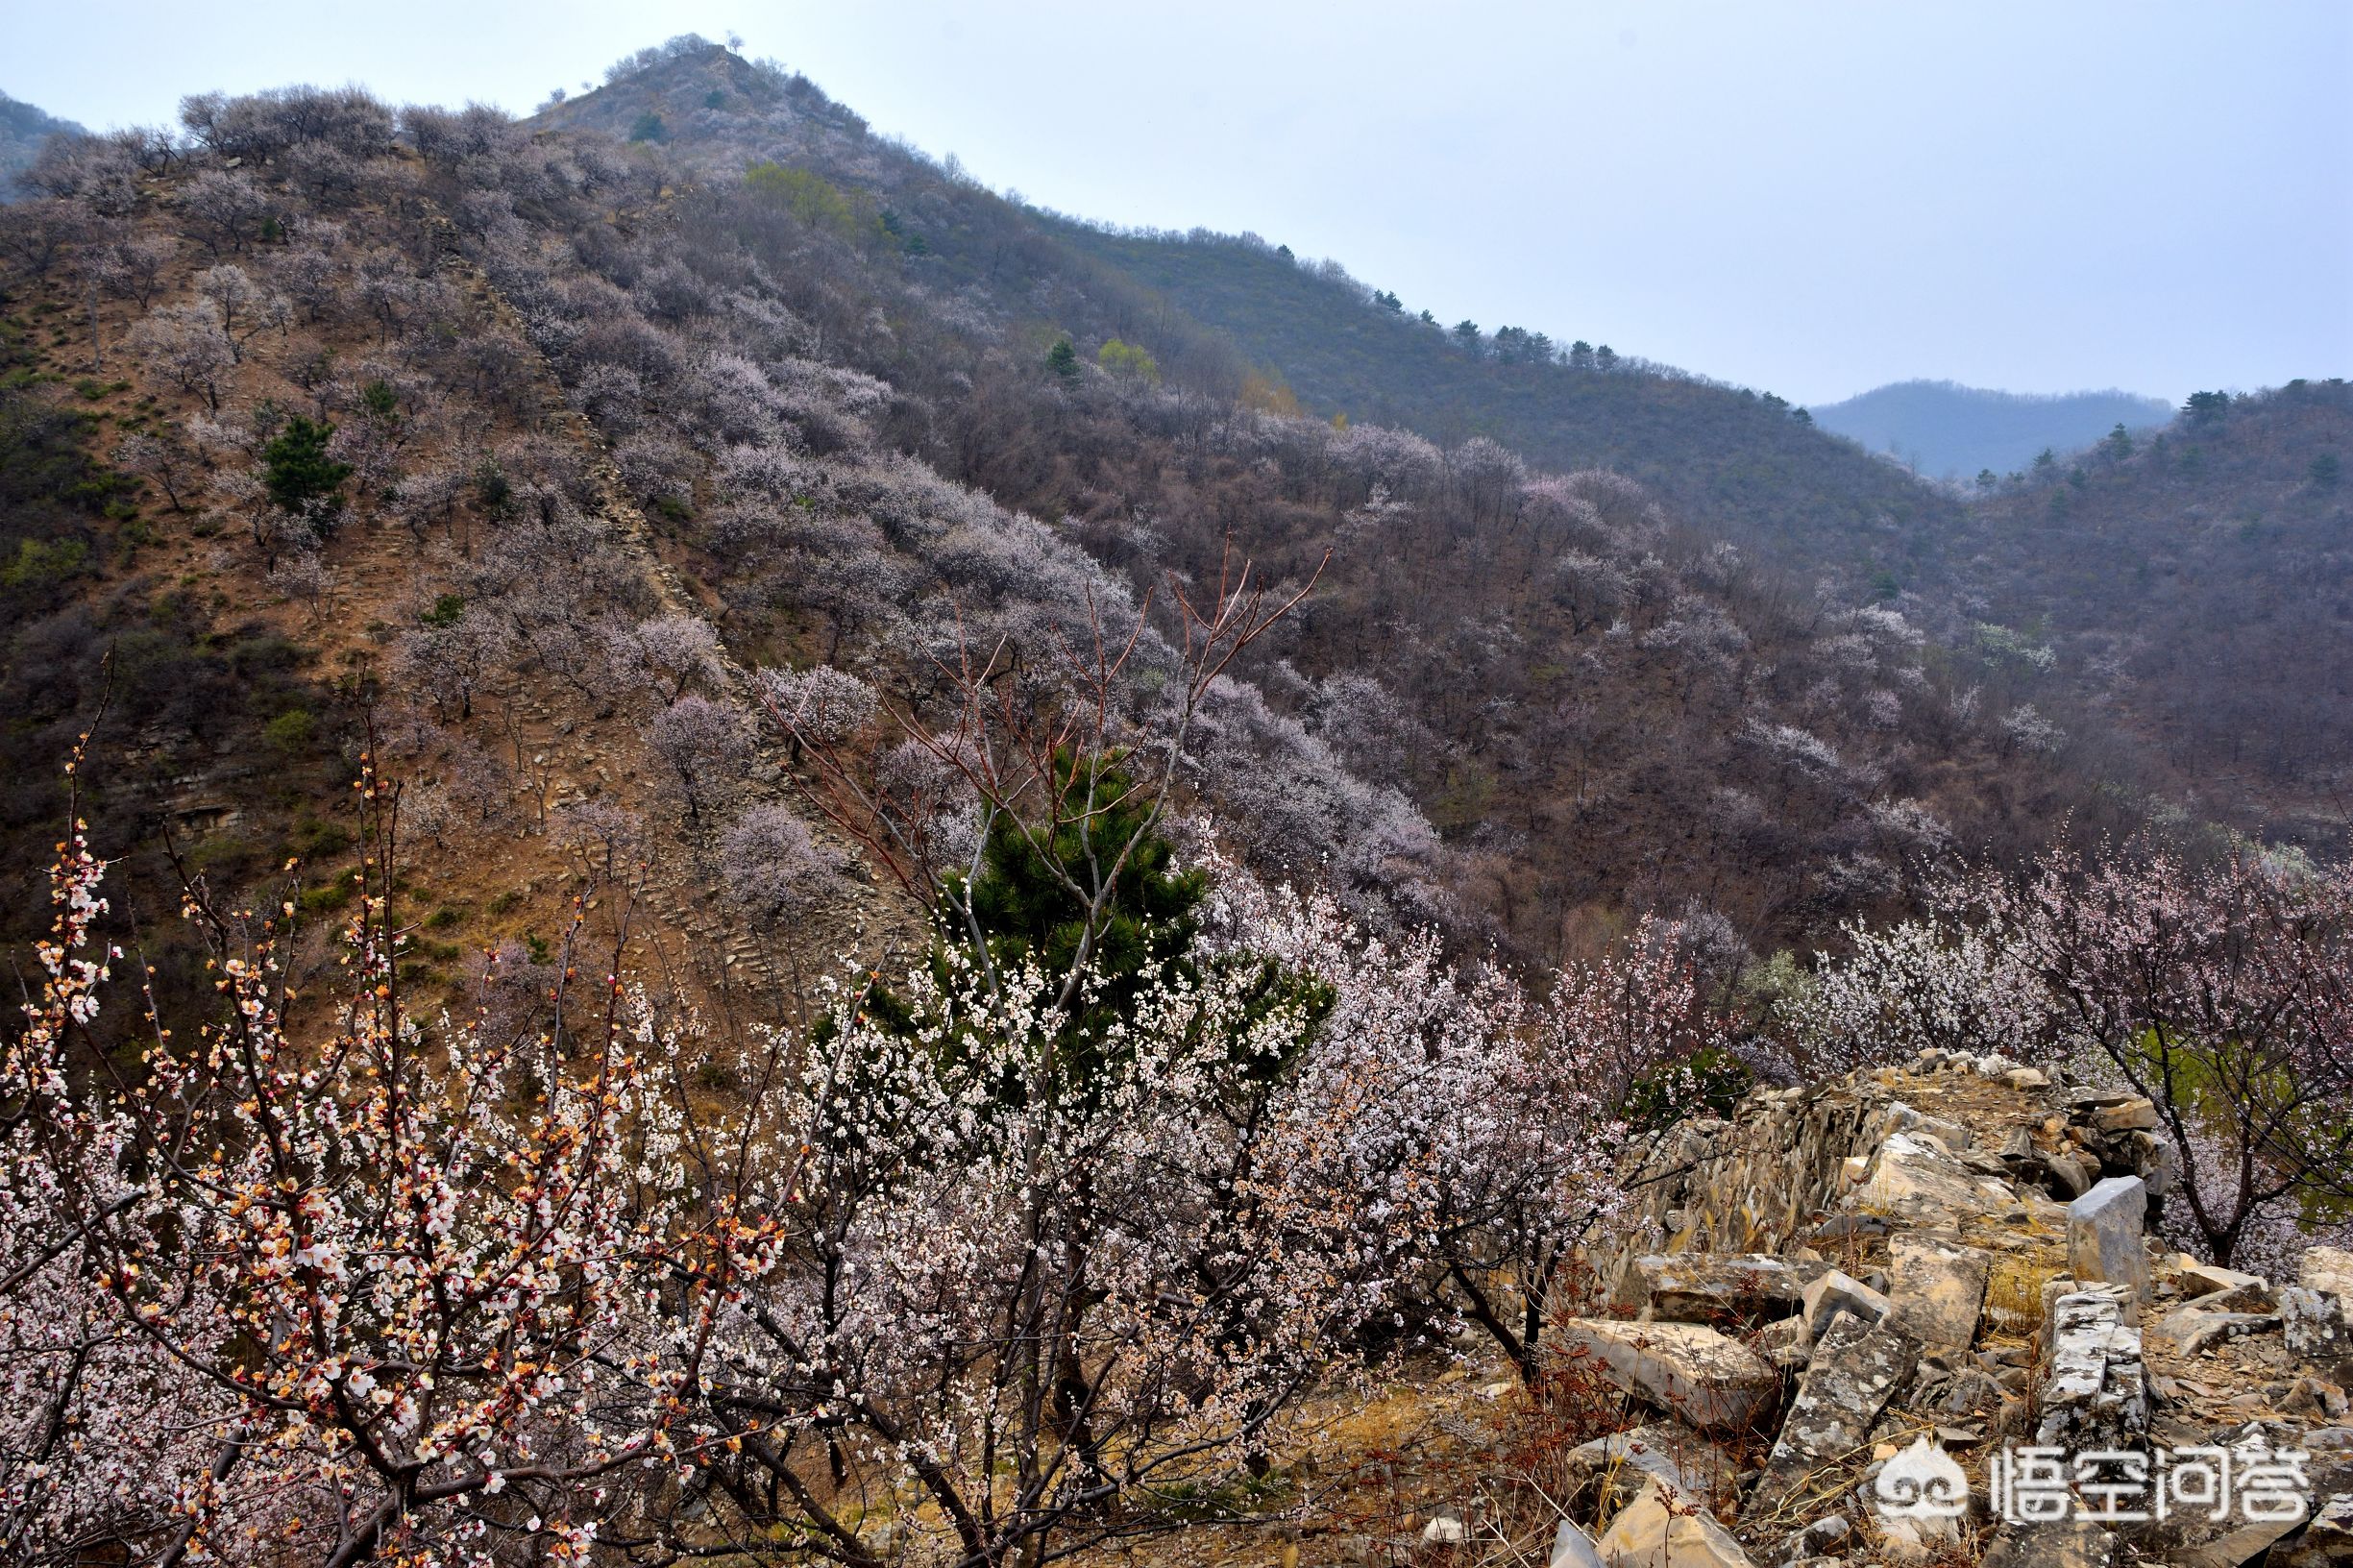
(1946,430)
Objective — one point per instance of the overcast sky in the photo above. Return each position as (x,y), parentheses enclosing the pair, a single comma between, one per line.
(1812,198)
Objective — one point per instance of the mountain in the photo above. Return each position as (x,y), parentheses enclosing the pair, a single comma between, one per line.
(1949,431)
(1219,310)
(726,849)
(23,128)
(2198,584)
(1610,686)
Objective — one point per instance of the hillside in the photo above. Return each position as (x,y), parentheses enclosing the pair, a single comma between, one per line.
(1593,703)
(1948,432)
(1224,318)
(724,851)
(2200,583)
(23,128)
(1740,463)
(1215,310)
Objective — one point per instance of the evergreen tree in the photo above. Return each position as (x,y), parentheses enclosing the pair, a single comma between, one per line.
(299,476)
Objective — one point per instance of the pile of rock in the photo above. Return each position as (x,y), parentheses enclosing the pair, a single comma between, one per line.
(1848,1303)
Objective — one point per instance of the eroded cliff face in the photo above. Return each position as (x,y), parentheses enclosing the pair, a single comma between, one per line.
(1919,1313)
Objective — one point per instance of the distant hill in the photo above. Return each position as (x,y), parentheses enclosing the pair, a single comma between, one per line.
(1740,461)
(1946,430)
(23,128)
(2198,583)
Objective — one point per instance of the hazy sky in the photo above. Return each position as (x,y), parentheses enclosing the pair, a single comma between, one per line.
(1812,198)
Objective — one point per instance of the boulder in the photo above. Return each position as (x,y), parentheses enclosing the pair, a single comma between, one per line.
(1654,1530)
(1855,1370)
(1834,1291)
(2071,1171)
(2327,1542)
(2197,1329)
(1936,1292)
(2133,1116)
(2105,1234)
(1612,1469)
(2195,1279)
(1708,1380)
(1693,1287)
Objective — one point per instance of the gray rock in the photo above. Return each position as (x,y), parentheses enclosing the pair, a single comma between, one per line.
(1693,1287)
(1712,1381)
(1823,1536)
(2195,1330)
(2096,1393)
(2327,1542)
(2316,1325)
(1612,1469)
(1834,1291)
(1855,1370)
(2105,1231)
(2240,1298)
(1573,1548)
(1937,1291)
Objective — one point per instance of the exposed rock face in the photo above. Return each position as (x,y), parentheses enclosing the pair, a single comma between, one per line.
(1707,1379)
(1918,1179)
(1696,1288)
(2326,1269)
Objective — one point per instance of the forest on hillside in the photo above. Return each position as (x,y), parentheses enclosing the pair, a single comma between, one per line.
(724,851)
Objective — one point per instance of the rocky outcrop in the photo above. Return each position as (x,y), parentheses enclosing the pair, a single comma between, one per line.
(1913,1267)
(1699,1286)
